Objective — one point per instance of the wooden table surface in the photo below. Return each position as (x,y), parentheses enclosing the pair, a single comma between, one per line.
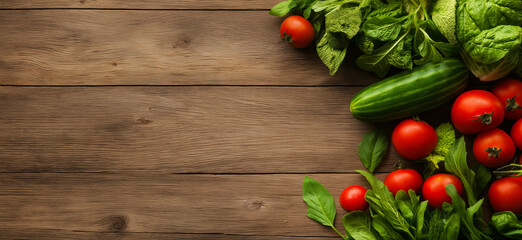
(128,119)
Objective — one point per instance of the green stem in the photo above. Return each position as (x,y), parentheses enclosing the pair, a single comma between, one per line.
(335,229)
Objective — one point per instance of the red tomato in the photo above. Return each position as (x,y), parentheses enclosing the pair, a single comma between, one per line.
(516,133)
(298,31)
(493,148)
(352,198)
(509,92)
(403,179)
(506,195)
(434,189)
(475,111)
(414,139)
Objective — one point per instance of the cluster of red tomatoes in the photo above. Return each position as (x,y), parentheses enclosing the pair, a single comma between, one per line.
(473,112)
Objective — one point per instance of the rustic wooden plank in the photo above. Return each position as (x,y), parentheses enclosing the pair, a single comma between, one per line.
(100,47)
(182,129)
(137,4)
(133,205)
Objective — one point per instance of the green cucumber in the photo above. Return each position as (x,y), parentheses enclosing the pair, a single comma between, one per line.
(410,92)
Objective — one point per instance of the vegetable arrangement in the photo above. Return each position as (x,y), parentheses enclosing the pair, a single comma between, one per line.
(437,43)
(404,33)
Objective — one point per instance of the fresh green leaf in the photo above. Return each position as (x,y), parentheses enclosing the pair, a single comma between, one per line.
(400,56)
(365,44)
(455,162)
(425,47)
(384,229)
(506,224)
(492,71)
(446,138)
(435,224)
(466,215)
(321,204)
(451,228)
(345,20)
(331,56)
(388,206)
(384,28)
(405,206)
(282,8)
(420,219)
(372,148)
(358,225)
(482,177)
(393,9)
(444,16)
(378,61)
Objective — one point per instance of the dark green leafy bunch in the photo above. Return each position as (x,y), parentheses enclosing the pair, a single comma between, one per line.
(401,34)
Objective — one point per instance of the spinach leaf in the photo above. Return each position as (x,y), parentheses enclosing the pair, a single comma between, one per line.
(378,62)
(372,148)
(455,162)
(387,206)
(506,224)
(451,228)
(384,229)
(466,215)
(321,204)
(425,46)
(384,28)
(493,44)
(358,225)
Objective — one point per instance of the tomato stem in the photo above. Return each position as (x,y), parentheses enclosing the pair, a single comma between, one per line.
(493,152)
(485,118)
(287,37)
(513,170)
(511,105)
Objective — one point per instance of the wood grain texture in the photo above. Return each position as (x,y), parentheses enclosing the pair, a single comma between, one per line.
(139,4)
(130,206)
(180,129)
(100,47)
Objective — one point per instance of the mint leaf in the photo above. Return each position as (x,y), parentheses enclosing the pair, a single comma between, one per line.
(321,204)
(372,148)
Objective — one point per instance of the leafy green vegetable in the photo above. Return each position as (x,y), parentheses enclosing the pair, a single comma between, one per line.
(482,177)
(506,224)
(372,148)
(384,229)
(452,228)
(358,225)
(321,204)
(301,7)
(455,162)
(446,138)
(444,16)
(384,204)
(331,56)
(466,215)
(490,33)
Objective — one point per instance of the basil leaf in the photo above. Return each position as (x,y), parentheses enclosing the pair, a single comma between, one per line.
(321,204)
(358,225)
(506,224)
(455,162)
(372,148)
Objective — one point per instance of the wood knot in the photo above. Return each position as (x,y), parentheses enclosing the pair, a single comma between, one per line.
(253,204)
(115,64)
(116,223)
(143,121)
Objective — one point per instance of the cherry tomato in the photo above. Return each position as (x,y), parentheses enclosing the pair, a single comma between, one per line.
(509,92)
(475,111)
(403,179)
(298,31)
(506,195)
(414,139)
(352,198)
(516,133)
(434,189)
(493,148)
